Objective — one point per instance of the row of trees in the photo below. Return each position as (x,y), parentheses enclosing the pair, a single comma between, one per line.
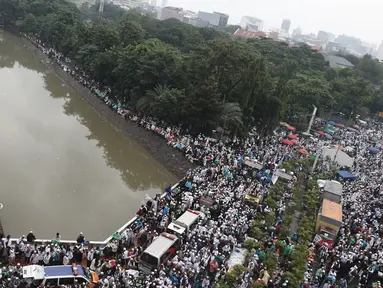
(200,78)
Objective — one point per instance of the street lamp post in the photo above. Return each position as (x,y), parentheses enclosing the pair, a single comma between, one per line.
(307,133)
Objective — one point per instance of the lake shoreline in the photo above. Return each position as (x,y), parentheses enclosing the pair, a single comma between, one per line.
(169,158)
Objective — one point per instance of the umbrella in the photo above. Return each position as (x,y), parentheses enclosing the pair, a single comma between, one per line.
(328,136)
(287,142)
(340,126)
(291,128)
(328,131)
(331,123)
(320,132)
(292,136)
(373,149)
(356,127)
(303,151)
(284,124)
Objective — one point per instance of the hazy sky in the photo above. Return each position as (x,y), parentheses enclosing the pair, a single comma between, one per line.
(362,19)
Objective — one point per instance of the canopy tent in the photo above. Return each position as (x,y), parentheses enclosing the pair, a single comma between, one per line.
(346,175)
(287,142)
(327,130)
(373,149)
(303,151)
(332,128)
(331,123)
(320,132)
(339,156)
(292,136)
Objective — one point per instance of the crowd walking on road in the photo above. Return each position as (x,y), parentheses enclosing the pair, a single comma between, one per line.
(217,189)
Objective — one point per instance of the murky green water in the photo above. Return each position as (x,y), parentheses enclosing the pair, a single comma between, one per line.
(63,168)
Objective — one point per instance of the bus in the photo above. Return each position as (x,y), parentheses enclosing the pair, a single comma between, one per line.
(329,221)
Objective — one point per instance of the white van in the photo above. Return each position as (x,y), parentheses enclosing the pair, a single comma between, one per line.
(51,276)
(159,251)
(185,222)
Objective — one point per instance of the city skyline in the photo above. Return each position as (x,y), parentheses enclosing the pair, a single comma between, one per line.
(338,17)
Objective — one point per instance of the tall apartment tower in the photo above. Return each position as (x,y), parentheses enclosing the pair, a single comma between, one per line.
(286,25)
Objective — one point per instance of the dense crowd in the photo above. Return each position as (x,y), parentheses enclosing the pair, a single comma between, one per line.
(222,177)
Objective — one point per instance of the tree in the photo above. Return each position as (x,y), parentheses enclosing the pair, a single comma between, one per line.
(29,24)
(215,81)
(141,67)
(231,115)
(163,102)
(307,90)
(231,28)
(130,31)
(352,93)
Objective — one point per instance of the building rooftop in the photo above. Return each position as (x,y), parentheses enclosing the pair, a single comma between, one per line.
(338,62)
(247,34)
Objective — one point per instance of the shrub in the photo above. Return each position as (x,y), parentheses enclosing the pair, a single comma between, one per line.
(270,262)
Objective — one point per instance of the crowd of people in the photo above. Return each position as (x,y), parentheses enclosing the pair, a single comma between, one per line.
(222,177)
(357,256)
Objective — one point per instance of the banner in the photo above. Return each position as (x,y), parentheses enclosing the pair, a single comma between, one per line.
(283,175)
(252,163)
(317,239)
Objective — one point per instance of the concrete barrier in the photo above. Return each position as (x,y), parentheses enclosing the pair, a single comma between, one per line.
(98,243)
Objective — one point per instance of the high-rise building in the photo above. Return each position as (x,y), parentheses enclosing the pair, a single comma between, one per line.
(172,13)
(297,31)
(325,37)
(379,54)
(223,19)
(251,23)
(215,19)
(285,27)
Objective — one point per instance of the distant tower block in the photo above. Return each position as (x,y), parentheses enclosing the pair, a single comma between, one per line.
(102,2)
